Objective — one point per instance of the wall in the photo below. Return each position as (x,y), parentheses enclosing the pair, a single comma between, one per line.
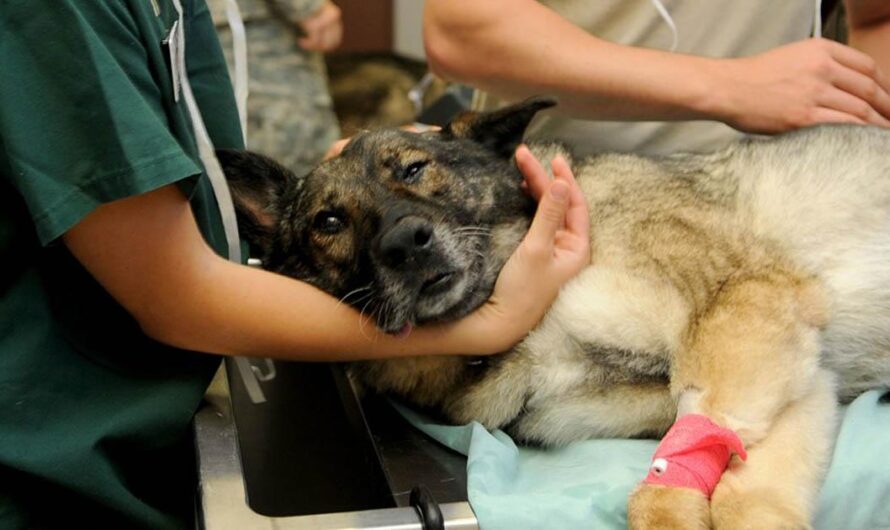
(407,31)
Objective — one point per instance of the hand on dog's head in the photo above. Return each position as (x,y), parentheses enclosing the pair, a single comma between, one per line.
(410,214)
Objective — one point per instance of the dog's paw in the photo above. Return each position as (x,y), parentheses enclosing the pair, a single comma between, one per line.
(757,509)
(664,508)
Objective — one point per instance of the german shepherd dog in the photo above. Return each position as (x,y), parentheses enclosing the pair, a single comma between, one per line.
(750,285)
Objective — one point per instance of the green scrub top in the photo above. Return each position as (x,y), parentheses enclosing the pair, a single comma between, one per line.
(94,415)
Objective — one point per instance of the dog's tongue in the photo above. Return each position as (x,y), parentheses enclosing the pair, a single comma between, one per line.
(405,331)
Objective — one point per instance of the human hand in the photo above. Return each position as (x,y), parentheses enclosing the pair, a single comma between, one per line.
(801,84)
(324,29)
(556,248)
(336,148)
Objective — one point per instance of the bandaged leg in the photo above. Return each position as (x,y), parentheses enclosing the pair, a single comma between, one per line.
(754,352)
(777,487)
(694,454)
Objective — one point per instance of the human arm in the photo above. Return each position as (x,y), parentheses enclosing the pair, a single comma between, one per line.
(869,29)
(792,86)
(147,252)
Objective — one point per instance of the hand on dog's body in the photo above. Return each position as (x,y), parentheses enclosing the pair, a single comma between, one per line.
(557,246)
(147,252)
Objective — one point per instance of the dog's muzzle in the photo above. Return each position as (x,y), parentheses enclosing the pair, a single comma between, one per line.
(407,244)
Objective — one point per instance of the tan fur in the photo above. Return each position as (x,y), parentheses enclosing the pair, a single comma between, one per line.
(668,509)
(741,270)
(750,285)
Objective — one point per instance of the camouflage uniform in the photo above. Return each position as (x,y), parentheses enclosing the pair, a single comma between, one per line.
(290,115)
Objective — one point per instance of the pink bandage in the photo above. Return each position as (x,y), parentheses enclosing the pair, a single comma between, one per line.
(694,454)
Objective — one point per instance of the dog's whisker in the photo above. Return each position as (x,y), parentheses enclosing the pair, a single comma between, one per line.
(363,317)
(385,313)
(370,286)
(470,230)
(362,298)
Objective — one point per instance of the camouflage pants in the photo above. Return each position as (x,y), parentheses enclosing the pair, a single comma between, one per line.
(290,115)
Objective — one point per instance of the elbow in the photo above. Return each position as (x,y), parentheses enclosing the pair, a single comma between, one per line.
(173,317)
(442,54)
(183,334)
(454,60)
(189,313)
(452,37)
(436,60)
(165,328)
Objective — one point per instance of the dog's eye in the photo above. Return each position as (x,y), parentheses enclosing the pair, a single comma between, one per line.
(328,222)
(412,171)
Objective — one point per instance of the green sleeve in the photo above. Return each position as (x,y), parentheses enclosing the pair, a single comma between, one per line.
(82,118)
(210,79)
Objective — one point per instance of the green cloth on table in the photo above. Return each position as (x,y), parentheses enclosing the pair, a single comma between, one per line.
(585,485)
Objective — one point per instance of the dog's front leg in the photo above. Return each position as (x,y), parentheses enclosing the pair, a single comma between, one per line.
(750,364)
(777,486)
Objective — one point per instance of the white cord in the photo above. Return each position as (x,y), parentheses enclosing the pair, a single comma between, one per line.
(817,20)
(205,147)
(669,21)
(239,45)
(666,16)
(217,181)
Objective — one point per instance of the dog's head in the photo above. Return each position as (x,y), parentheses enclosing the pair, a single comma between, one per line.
(410,227)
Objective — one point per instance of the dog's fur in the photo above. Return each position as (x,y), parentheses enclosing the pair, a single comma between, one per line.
(751,285)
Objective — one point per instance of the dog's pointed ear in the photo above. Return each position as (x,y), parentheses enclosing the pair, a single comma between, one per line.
(256,183)
(500,130)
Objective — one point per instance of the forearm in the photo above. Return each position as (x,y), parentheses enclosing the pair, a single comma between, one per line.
(869,31)
(231,309)
(476,43)
(148,253)
(516,48)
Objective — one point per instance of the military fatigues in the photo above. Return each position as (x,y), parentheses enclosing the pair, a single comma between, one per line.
(95,415)
(290,113)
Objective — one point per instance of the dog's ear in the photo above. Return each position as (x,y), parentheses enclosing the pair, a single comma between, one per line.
(500,130)
(256,183)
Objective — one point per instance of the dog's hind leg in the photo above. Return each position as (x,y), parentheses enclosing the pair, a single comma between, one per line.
(752,353)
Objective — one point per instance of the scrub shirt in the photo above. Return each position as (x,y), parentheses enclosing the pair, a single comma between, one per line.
(94,415)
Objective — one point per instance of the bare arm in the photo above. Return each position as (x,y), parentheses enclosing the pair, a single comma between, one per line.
(476,43)
(869,22)
(795,85)
(148,253)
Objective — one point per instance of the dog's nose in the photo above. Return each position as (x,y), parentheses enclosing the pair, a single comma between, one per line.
(407,241)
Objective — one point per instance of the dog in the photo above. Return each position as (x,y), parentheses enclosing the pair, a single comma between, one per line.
(750,285)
